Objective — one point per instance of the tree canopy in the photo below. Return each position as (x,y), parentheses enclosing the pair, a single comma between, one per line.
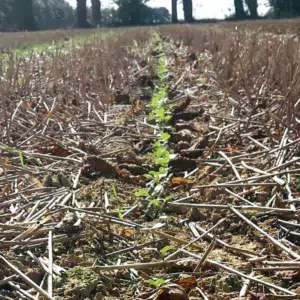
(35,14)
(285,8)
(52,14)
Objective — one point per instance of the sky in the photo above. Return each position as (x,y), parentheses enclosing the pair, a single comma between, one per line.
(202,8)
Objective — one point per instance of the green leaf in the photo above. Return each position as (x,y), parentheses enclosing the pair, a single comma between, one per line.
(165,136)
(151,116)
(168,198)
(148,176)
(21,158)
(156,282)
(162,161)
(167,118)
(160,112)
(155,101)
(142,193)
(156,202)
(153,173)
(161,171)
(157,145)
(120,215)
(114,191)
(159,152)
(166,249)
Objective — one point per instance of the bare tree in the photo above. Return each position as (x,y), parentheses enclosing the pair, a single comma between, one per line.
(188,10)
(252,6)
(24,14)
(82,14)
(174,11)
(96,10)
(239,9)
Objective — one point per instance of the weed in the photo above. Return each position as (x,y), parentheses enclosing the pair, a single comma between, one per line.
(114,191)
(156,282)
(120,215)
(160,115)
(166,249)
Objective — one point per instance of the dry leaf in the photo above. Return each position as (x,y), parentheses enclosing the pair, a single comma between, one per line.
(297,290)
(127,232)
(35,181)
(231,149)
(6,160)
(138,213)
(180,180)
(188,283)
(138,105)
(204,97)
(171,292)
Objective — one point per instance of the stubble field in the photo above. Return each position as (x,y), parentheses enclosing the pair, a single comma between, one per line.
(151,163)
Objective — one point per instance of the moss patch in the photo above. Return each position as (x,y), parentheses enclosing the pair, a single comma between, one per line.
(81,283)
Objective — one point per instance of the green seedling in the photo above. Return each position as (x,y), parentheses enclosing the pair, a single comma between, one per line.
(156,202)
(166,249)
(21,158)
(120,215)
(142,193)
(168,198)
(156,282)
(165,136)
(114,191)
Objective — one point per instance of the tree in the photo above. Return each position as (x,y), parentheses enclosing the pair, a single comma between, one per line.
(132,12)
(252,6)
(285,8)
(157,15)
(53,14)
(82,14)
(239,9)
(96,12)
(174,11)
(23,11)
(45,14)
(188,10)
(6,16)
(109,16)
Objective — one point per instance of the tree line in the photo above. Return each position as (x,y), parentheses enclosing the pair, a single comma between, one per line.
(51,14)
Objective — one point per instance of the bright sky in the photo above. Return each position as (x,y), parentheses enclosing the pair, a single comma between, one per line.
(202,8)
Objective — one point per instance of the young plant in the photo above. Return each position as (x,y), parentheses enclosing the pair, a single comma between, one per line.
(120,215)
(156,282)
(114,192)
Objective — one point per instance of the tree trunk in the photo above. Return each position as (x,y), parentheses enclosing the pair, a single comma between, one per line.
(239,9)
(81,14)
(252,6)
(24,14)
(188,10)
(135,12)
(96,10)
(174,11)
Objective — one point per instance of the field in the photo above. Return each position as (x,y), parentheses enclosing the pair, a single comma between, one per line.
(151,163)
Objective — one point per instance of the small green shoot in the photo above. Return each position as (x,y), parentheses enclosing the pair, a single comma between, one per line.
(168,198)
(120,215)
(142,193)
(156,282)
(166,249)
(114,191)
(156,202)
(165,136)
(21,158)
